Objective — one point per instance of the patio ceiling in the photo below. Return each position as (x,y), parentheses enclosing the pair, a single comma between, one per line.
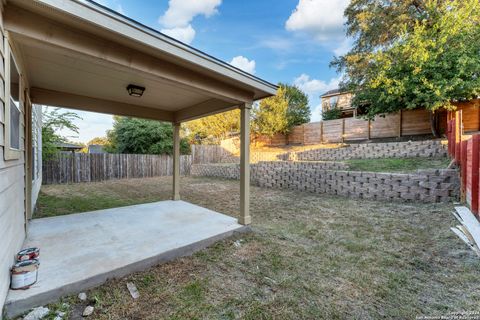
(79,55)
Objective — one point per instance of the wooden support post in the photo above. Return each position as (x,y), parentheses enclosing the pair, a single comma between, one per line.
(343,130)
(176,161)
(245,218)
(28,162)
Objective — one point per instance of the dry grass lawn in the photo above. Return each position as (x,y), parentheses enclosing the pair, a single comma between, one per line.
(309,257)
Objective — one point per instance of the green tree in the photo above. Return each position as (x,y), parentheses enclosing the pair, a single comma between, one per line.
(133,135)
(270,115)
(298,111)
(332,114)
(278,114)
(102,141)
(426,54)
(214,127)
(53,120)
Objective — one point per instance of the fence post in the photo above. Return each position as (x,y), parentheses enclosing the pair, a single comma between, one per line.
(368,129)
(400,124)
(303,134)
(343,130)
(463,169)
(321,131)
(458,135)
(475,173)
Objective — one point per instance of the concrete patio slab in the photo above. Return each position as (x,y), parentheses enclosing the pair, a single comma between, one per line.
(81,251)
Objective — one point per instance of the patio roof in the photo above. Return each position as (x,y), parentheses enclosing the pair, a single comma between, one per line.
(81,55)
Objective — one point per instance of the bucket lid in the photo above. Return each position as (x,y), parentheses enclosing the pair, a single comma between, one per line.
(26,265)
(28,250)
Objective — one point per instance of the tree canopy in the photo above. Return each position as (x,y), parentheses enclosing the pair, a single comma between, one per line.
(298,111)
(270,115)
(133,135)
(412,54)
(278,114)
(53,120)
(214,127)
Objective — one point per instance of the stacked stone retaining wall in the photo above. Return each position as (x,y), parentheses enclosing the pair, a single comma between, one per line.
(409,149)
(422,186)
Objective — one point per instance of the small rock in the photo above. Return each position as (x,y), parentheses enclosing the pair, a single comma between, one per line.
(88,311)
(59,315)
(82,296)
(37,313)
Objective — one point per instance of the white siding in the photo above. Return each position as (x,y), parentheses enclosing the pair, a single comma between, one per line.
(12,192)
(37,150)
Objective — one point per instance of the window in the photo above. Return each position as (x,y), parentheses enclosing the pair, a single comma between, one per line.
(14,105)
(333,102)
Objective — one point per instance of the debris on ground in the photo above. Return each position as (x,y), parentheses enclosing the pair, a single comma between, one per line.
(88,311)
(469,229)
(37,313)
(238,243)
(82,296)
(59,315)
(133,290)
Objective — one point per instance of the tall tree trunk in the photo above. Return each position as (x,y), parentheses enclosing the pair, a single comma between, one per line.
(434,124)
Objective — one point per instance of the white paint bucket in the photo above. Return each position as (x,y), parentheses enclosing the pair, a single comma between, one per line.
(24,274)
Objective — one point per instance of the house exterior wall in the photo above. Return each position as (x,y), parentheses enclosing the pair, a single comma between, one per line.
(344,101)
(12,171)
(36,153)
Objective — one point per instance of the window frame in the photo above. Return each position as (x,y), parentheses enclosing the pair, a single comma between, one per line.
(11,153)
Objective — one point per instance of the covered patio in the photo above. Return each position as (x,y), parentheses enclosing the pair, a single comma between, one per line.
(80,55)
(80,251)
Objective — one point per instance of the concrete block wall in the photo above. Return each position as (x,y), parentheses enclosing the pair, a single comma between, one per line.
(427,186)
(409,149)
(424,185)
(232,170)
(227,171)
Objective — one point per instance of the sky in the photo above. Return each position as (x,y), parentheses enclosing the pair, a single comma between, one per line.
(289,41)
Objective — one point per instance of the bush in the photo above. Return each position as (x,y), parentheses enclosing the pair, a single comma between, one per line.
(332,114)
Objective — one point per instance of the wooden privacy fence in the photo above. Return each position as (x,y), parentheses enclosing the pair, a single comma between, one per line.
(465,150)
(404,123)
(80,167)
(203,153)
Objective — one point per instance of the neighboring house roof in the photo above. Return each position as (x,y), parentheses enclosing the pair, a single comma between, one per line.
(333,92)
(69,146)
(95,148)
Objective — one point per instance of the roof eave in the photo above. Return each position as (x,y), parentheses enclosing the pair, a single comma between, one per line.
(112,21)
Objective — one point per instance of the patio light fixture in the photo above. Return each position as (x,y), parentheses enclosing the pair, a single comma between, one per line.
(135,91)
